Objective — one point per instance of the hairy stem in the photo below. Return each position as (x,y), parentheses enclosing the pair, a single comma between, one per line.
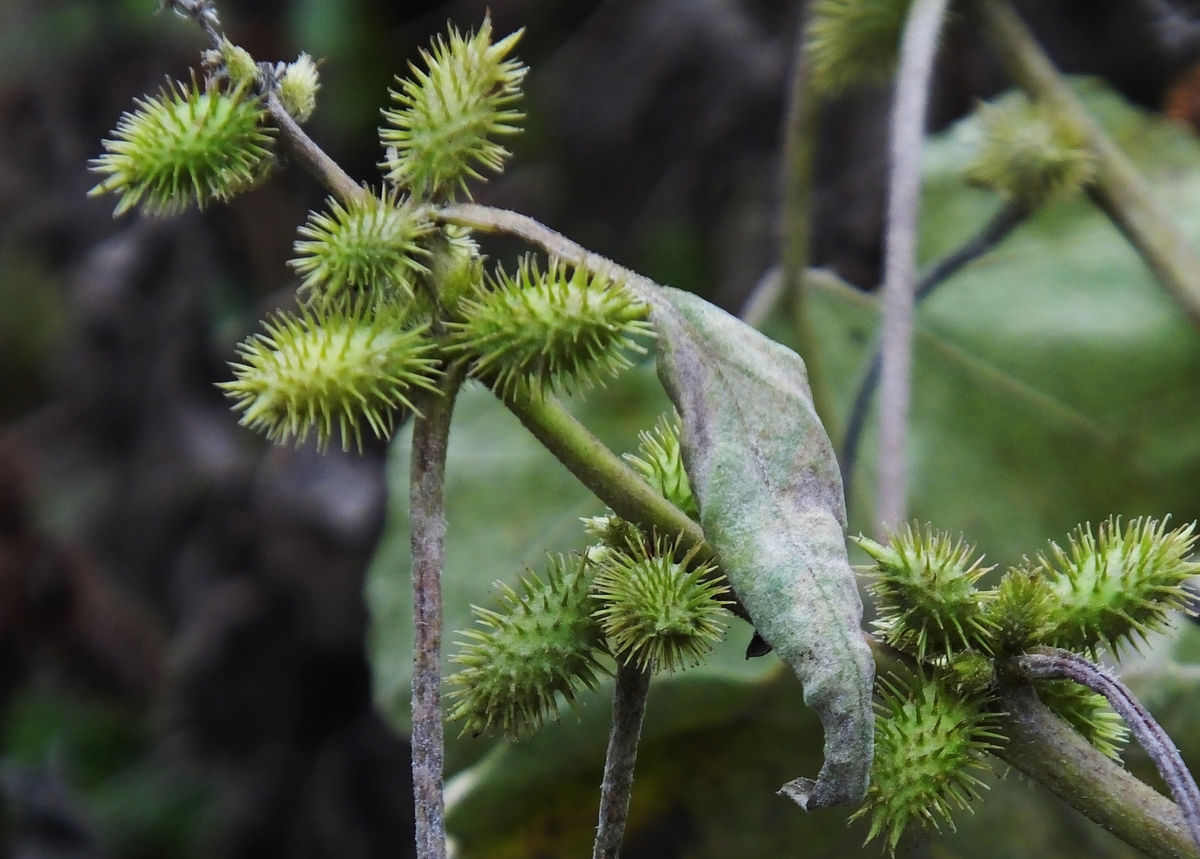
(917,49)
(312,157)
(994,232)
(430,434)
(1053,663)
(1117,187)
(629,708)
(801,124)
(1048,750)
(487,219)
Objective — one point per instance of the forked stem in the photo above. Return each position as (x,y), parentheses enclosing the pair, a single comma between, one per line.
(1051,663)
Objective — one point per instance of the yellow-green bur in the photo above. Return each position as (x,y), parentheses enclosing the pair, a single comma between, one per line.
(771,505)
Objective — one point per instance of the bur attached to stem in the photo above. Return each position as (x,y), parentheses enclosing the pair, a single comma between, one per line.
(298,87)
(448,115)
(1087,712)
(660,461)
(541,646)
(1030,152)
(926,596)
(659,613)
(541,330)
(324,372)
(190,145)
(928,747)
(1117,585)
(368,247)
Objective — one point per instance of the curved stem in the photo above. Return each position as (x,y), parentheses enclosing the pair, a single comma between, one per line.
(487,219)
(1050,751)
(917,49)
(629,709)
(1048,663)
(430,434)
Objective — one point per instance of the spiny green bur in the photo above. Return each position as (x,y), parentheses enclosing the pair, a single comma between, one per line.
(659,613)
(1030,152)
(661,464)
(368,246)
(926,596)
(927,747)
(190,145)
(542,644)
(1117,586)
(1019,613)
(440,134)
(1087,712)
(852,43)
(542,330)
(324,371)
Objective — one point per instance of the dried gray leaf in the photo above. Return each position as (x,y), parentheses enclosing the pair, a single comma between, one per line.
(771,505)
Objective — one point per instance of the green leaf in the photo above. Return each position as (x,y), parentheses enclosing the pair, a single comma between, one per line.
(771,505)
(1053,381)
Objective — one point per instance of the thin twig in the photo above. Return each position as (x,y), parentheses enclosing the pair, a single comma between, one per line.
(994,232)
(487,219)
(427,503)
(312,157)
(629,708)
(1049,663)
(917,49)
(203,12)
(1117,187)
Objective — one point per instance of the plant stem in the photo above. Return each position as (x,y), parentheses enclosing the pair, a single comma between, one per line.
(1048,750)
(1117,187)
(430,434)
(615,483)
(312,157)
(295,140)
(603,472)
(991,235)
(799,152)
(487,219)
(1053,663)
(629,708)
(917,49)
(608,476)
